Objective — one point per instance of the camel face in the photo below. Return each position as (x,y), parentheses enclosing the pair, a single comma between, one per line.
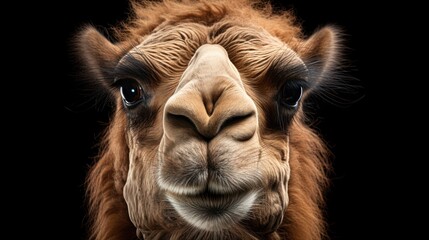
(209,140)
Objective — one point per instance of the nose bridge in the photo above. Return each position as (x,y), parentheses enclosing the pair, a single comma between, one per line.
(210,61)
(210,92)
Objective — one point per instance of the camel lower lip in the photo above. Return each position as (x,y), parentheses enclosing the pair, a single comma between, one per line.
(213,212)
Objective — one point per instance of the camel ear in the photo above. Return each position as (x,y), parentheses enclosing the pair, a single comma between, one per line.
(320,53)
(99,56)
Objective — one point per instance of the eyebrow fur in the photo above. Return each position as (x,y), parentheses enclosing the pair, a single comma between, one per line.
(131,67)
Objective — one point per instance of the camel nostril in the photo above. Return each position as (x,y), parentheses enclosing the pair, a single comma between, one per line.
(180,121)
(179,118)
(233,120)
(184,122)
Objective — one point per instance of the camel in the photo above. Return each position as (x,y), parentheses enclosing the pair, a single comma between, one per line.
(209,139)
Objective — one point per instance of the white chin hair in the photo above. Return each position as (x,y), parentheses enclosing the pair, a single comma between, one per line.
(213,214)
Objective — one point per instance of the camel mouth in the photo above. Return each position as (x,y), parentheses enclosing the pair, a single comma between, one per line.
(211,211)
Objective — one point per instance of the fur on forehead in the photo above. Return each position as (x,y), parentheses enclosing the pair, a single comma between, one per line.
(174,26)
(150,16)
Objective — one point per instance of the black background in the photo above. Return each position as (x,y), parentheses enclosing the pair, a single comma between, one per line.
(356,206)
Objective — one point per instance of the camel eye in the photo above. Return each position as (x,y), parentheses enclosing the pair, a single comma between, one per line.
(290,95)
(131,92)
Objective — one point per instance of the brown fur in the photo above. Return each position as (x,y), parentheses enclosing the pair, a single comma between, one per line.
(303,218)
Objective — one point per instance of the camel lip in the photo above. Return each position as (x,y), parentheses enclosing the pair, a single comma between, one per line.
(211,211)
(209,198)
(214,197)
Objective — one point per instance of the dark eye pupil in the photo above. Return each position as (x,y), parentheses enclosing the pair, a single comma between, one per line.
(131,92)
(291,96)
